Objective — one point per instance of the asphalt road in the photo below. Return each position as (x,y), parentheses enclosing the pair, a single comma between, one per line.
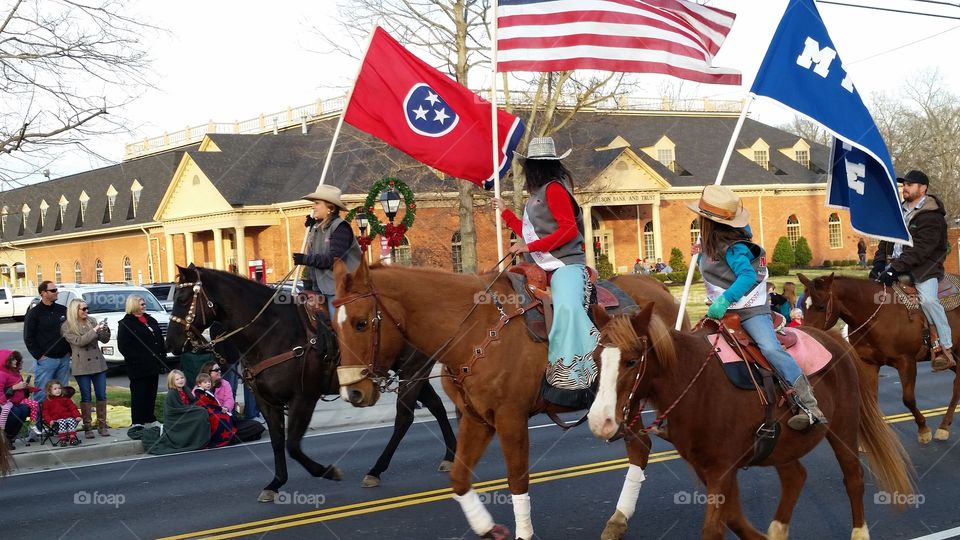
(577,482)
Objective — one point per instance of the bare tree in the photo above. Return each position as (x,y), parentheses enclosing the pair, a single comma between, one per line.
(809,130)
(65,66)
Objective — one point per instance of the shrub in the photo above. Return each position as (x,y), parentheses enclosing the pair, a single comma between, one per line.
(778,269)
(678,262)
(681,277)
(662,277)
(801,253)
(604,268)
(783,253)
(826,263)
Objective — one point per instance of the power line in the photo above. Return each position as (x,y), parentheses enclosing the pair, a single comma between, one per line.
(938,2)
(891,9)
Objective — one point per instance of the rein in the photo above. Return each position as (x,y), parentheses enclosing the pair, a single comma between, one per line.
(829,311)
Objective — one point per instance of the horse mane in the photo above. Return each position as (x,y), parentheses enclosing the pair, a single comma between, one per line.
(623,335)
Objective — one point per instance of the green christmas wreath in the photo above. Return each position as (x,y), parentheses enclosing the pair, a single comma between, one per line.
(393,233)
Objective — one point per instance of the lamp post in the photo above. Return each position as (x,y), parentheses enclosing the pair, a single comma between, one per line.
(362,222)
(390,202)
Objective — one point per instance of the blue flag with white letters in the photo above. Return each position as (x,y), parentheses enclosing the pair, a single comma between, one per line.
(803,71)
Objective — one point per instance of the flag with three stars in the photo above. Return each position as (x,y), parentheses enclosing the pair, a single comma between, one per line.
(411,106)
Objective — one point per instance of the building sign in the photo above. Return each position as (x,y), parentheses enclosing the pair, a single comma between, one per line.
(622,198)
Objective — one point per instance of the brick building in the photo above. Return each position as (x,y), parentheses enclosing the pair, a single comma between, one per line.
(230,201)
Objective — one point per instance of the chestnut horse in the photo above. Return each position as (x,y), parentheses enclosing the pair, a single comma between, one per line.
(883,332)
(444,315)
(713,423)
(288,392)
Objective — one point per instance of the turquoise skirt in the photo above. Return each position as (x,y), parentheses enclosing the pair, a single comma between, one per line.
(573,337)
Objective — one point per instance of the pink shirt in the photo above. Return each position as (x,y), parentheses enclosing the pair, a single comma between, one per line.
(224,394)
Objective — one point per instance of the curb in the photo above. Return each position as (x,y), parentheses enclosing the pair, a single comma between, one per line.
(58,457)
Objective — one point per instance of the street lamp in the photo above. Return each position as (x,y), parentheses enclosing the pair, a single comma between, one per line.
(390,202)
(362,222)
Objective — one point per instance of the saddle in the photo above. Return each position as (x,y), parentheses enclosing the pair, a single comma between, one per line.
(739,340)
(948,293)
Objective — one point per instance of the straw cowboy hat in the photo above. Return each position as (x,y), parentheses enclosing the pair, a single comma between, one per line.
(542,148)
(327,193)
(721,204)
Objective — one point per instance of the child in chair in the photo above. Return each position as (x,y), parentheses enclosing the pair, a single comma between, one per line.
(60,413)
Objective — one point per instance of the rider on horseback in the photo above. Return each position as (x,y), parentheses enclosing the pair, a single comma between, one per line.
(735,274)
(921,263)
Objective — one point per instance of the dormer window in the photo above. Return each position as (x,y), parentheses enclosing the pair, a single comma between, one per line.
(111,202)
(43,212)
(803,158)
(762,157)
(84,199)
(135,190)
(3,220)
(63,208)
(26,214)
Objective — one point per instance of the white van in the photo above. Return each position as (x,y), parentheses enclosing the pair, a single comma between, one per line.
(107,301)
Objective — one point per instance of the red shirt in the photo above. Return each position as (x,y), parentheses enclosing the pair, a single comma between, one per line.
(560,205)
(59,408)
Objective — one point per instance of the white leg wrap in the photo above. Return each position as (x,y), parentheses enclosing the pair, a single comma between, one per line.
(631,490)
(521,512)
(478,517)
(860,533)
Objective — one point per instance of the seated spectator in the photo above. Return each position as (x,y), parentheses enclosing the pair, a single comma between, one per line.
(15,405)
(778,302)
(185,425)
(61,414)
(638,268)
(658,268)
(222,389)
(221,428)
(796,318)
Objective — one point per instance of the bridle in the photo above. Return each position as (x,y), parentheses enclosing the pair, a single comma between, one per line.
(199,295)
(828,316)
(374,370)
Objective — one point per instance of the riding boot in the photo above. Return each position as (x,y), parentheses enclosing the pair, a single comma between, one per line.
(102,419)
(942,359)
(804,393)
(85,410)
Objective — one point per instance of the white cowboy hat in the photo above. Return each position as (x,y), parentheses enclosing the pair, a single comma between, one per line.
(722,205)
(326,193)
(542,148)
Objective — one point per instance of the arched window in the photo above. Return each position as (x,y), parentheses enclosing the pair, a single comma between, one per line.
(77,274)
(99,271)
(649,247)
(694,231)
(56,273)
(793,229)
(456,252)
(835,231)
(402,253)
(127,270)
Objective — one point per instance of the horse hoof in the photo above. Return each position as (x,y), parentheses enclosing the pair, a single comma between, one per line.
(498,532)
(616,527)
(267,495)
(942,434)
(333,473)
(369,481)
(924,436)
(778,531)
(445,466)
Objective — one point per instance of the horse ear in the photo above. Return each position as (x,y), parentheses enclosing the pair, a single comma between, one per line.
(341,275)
(600,317)
(641,319)
(362,273)
(827,281)
(804,279)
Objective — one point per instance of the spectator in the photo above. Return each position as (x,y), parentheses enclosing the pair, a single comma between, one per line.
(638,268)
(15,405)
(140,341)
(778,302)
(41,335)
(796,318)
(658,268)
(221,427)
(220,387)
(862,252)
(61,414)
(647,267)
(790,293)
(185,425)
(230,372)
(89,366)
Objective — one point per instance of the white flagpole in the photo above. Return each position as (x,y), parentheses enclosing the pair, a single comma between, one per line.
(495,131)
(696,247)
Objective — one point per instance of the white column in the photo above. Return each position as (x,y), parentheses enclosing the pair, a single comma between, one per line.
(168,245)
(588,234)
(218,249)
(657,240)
(240,249)
(188,244)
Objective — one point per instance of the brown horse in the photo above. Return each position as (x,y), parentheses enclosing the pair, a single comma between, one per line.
(713,424)
(443,314)
(6,458)
(883,332)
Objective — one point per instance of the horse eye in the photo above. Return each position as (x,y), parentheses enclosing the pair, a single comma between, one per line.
(630,363)
(361,325)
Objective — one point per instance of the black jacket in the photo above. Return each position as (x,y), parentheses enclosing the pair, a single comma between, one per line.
(41,331)
(924,259)
(142,347)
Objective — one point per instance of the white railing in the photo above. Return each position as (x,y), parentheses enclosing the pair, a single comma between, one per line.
(326,108)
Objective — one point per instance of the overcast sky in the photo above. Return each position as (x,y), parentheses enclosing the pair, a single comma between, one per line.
(227,61)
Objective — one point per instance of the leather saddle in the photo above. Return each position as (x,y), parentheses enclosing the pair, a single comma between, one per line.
(739,340)
(948,293)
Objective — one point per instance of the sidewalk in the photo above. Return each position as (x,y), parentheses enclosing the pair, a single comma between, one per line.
(327,417)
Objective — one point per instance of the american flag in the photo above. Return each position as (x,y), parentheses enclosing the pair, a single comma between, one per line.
(671,37)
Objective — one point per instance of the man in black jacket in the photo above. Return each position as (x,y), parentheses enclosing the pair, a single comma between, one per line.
(923,262)
(41,335)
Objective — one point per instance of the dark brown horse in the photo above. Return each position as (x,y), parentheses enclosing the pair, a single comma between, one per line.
(883,332)
(206,295)
(713,423)
(445,315)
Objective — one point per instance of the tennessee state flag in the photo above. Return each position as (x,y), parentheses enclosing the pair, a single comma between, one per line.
(414,108)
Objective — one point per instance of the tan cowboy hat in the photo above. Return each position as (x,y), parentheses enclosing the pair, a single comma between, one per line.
(722,205)
(542,148)
(326,193)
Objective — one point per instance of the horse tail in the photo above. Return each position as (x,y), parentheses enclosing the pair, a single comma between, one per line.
(6,458)
(886,456)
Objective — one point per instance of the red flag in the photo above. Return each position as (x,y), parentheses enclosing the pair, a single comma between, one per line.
(411,106)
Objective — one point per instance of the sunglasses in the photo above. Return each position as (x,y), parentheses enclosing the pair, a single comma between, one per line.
(215,369)
(50,290)
(84,309)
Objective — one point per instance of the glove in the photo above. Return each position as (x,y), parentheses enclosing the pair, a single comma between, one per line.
(309,222)
(718,307)
(299,258)
(887,278)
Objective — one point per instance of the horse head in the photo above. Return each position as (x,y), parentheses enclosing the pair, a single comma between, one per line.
(633,347)
(818,305)
(369,335)
(193,312)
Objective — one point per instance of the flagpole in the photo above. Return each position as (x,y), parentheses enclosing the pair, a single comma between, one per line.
(696,247)
(495,131)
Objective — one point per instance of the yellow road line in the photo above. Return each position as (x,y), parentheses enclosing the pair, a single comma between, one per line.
(423,497)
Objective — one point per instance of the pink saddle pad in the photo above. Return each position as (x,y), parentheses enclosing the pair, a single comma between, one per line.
(808,352)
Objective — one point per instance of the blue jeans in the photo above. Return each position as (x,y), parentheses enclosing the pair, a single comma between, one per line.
(250,409)
(934,311)
(18,415)
(760,328)
(99,382)
(50,368)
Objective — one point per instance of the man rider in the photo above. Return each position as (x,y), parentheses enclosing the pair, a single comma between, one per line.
(923,262)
